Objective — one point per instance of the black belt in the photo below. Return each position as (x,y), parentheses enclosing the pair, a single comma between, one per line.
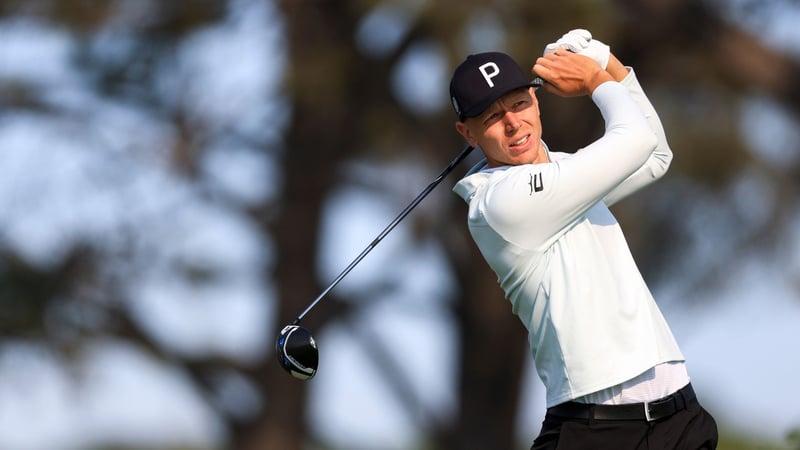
(648,411)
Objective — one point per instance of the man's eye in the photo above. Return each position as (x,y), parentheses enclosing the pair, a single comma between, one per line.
(491,118)
(521,104)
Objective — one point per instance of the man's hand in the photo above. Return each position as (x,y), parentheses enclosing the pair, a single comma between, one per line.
(580,41)
(568,74)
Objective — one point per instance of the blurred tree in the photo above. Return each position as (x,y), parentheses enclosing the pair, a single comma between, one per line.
(685,32)
(343,106)
(322,82)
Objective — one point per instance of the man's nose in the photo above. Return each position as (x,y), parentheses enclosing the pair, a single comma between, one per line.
(511,121)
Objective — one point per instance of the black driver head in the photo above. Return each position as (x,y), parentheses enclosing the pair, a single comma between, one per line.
(297,352)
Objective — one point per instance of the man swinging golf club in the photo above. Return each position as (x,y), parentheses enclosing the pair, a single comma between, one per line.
(614,375)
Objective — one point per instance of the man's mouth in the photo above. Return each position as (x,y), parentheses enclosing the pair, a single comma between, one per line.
(521,142)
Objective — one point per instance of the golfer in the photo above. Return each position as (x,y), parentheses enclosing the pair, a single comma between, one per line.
(614,375)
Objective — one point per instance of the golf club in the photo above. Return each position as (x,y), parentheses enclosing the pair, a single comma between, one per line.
(296,347)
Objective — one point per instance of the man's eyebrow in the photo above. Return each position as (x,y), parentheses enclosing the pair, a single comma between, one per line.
(516,94)
(489,111)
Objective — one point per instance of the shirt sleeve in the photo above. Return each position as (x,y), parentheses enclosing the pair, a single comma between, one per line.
(658,162)
(530,204)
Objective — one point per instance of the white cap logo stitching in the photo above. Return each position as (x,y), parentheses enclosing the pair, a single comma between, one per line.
(455,105)
(489,75)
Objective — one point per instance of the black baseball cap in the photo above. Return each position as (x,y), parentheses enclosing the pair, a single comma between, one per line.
(482,79)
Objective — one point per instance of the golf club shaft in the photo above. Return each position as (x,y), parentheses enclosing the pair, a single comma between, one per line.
(386,230)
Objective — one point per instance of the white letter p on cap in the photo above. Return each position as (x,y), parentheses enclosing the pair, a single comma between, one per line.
(489,75)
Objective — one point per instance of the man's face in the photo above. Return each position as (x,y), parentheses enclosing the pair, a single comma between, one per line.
(509,131)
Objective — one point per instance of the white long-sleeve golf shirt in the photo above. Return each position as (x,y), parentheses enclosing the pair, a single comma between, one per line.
(560,255)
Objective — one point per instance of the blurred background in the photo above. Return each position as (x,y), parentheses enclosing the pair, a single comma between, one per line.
(179,179)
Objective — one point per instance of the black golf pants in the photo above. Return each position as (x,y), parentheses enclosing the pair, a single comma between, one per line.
(690,429)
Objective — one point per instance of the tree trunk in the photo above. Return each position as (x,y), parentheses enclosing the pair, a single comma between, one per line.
(318,139)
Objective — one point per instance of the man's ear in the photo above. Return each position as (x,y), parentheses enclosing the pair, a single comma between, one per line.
(465,132)
(535,99)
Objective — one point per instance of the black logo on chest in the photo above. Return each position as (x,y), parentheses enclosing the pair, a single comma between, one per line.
(536,183)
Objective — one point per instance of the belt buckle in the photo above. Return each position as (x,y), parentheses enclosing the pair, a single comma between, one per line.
(647,411)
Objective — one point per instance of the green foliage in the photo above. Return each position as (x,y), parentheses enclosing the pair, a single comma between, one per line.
(736,440)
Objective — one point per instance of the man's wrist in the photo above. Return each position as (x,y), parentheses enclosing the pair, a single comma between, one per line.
(599,77)
(616,69)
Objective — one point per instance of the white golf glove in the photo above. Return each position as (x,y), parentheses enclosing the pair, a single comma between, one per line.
(580,41)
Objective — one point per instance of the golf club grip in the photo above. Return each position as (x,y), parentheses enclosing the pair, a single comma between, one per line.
(464,153)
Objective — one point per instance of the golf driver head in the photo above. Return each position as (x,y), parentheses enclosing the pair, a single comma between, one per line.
(297,352)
